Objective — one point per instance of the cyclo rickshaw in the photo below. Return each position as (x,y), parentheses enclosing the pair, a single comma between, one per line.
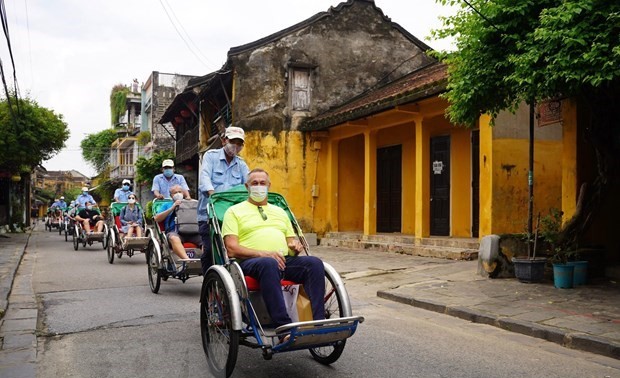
(80,236)
(116,243)
(233,313)
(161,260)
(52,219)
(68,224)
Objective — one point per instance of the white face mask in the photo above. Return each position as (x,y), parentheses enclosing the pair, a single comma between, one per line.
(177,196)
(258,193)
(232,149)
(131,200)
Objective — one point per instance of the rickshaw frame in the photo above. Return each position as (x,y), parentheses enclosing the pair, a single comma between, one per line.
(231,313)
(115,242)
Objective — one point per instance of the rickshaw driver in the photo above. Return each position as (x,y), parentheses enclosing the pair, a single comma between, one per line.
(261,236)
(84,197)
(163,182)
(166,214)
(90,218)
(122,194)
(222,169)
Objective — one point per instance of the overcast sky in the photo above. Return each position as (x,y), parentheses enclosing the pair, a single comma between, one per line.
(70,53)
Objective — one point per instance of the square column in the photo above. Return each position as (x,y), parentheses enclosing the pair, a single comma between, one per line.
(422,179)
(370,182)
(332,183)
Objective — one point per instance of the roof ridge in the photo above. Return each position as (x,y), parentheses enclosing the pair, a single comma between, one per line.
(309,21)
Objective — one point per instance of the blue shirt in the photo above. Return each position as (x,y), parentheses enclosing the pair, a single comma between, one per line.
(122,195)
(83,198)
(163,185)
(129,215)
(169,224)
(216,174)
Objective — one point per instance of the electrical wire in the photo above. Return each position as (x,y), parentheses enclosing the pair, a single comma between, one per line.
(5,28)
(181,35)
(186,33)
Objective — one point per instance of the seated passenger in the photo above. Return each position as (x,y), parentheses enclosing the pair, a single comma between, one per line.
(261,237)
(90,218)
(131,218)
(167,215)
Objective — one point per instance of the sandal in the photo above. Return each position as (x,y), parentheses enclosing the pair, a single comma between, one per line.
(284,339)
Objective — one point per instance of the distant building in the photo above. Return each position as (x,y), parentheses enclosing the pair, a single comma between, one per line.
(157,94)
(61,181)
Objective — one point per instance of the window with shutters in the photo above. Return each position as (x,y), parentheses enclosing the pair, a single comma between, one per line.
(300,82)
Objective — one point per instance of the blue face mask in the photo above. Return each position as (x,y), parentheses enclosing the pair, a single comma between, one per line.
(85,193)
(168,172)
(125,187)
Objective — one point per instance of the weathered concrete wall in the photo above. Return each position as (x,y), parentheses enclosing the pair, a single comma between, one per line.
(351,51)
(506,161)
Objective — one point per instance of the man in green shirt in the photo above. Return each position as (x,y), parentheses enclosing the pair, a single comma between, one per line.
(261,237)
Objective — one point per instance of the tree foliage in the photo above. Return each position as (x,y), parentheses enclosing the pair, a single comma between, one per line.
(96,148)
(514,51)
(147,168)
(35,134)
(118,102)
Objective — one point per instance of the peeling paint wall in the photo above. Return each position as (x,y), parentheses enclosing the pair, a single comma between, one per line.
(508,192)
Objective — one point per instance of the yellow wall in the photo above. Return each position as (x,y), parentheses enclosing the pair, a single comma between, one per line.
(569,159)
(291,166)
(351,184)
(486,176)
(460,152)
(510,184)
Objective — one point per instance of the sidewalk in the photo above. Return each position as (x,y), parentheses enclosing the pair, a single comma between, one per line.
(585,318)
(18,308)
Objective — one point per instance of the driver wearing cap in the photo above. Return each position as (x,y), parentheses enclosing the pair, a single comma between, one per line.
(85,197)
(167,179)
(122,194)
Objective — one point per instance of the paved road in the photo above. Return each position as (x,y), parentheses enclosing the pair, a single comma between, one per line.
(97,319)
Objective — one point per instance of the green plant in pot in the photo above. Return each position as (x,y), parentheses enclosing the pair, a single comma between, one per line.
(563,254)
(532,268)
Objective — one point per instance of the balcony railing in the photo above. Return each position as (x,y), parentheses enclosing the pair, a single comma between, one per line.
(187,144)
(122,171)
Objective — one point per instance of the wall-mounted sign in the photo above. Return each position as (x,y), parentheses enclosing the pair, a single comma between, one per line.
(549,112)
(437,167)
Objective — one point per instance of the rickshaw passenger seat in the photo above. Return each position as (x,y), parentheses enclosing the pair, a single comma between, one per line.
(253,284)
(117,222)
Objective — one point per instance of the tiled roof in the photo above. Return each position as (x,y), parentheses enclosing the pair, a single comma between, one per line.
(425,82)
(291,29)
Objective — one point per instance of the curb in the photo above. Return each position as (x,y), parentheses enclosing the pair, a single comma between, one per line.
(7,285)
(579,341)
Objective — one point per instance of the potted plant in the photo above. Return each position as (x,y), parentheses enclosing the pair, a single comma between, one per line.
(563,254)
(532,268)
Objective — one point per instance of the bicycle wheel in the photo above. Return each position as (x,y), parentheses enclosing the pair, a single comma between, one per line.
(76,241)
(153,266)
(111,247)
(333,309)
(219,340)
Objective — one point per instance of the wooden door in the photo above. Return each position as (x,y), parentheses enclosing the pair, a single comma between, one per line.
(389,189)
(440,186)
